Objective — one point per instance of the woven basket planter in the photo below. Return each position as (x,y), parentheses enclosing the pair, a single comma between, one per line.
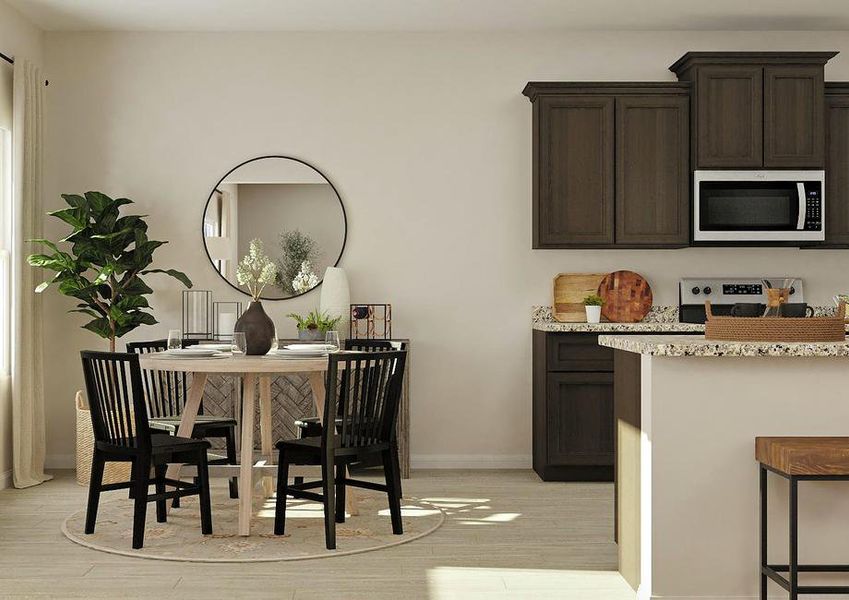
(776,329)
(113,472)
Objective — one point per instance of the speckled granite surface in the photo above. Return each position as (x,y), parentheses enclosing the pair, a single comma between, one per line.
(659,320)
(696,345)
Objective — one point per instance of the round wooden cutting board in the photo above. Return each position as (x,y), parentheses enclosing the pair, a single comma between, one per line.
(627,297)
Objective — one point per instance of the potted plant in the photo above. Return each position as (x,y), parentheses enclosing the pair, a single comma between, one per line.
(593,304)
(104,264)
(255,271)
(315,325)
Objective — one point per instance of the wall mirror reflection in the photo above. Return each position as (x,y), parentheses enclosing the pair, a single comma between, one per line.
(287,204)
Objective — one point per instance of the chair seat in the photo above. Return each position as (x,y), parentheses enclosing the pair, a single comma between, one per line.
(202,423)
(161,443)
(311,446)
(804,455)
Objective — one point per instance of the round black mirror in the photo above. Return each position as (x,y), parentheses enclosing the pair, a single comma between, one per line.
(289,206)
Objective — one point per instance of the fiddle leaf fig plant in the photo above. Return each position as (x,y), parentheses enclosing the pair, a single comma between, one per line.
(104,258)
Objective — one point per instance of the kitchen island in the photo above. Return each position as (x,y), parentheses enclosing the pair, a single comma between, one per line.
(687,413)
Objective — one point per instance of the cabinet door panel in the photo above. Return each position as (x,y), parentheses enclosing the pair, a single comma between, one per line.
(837,170)
(580,419)
(793,116)
(574,203)
(729,103)
(652,170)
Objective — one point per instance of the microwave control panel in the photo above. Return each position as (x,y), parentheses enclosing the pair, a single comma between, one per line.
(813,209)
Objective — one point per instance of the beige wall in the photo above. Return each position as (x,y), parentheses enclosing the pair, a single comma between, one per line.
(18,38)
(428,140)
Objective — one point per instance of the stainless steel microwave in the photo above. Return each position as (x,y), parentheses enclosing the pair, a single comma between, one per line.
(759,206)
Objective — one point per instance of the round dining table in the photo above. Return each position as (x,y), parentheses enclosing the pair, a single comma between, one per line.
(251,369)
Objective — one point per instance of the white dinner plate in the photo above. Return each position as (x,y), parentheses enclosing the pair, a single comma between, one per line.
(214,346)
(193,352)
(308,348)
(282,353)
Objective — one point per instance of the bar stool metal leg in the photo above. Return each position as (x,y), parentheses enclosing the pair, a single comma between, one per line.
(794,539)
(763,527)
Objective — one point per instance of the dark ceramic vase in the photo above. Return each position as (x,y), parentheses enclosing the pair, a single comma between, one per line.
(258,329)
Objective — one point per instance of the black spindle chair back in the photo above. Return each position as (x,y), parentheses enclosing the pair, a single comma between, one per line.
(369,345)
(363,392)
(116,398)
(165,391)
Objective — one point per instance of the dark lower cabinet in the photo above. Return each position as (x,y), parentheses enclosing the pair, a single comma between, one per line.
(573,408)
(580,418)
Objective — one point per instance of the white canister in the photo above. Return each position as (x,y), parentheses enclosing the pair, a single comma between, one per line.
(593,314)
(336,297)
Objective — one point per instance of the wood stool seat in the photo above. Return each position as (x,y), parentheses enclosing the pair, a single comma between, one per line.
(804,455)
(798,459)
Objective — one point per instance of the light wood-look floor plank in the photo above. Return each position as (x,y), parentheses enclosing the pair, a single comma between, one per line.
(507,536)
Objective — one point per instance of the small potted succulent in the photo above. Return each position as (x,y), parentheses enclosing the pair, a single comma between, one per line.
(592,304)
(315,325)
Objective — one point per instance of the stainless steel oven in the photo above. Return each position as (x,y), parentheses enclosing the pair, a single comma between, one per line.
(759,206)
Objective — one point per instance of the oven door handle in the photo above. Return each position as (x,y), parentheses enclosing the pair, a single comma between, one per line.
(803,204)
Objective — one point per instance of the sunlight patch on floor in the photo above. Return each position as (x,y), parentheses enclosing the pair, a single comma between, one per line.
(471,583)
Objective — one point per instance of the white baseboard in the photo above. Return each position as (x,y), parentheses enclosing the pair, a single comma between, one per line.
(60,461)
(470,461)
(6,479)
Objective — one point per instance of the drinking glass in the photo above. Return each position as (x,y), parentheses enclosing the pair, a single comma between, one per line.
(175,339)
(240,344)
(331,339)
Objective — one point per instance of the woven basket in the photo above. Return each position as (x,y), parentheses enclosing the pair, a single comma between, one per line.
(776,329)
(113,472)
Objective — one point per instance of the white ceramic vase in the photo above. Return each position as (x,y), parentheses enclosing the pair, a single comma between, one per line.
(336,297)
(593,314)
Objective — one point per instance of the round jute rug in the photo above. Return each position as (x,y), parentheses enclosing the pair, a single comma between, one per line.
(180,538)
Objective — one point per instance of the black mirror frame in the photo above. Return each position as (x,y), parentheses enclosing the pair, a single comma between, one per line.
(306,164)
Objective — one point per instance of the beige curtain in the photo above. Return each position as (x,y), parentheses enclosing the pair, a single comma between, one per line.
(28,423)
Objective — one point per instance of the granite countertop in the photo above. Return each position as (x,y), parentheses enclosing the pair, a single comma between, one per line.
(660,319)
(697,345)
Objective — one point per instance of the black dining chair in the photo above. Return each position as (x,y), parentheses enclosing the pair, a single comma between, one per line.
(122,433)
(311,426)
(166,393)
(364,389)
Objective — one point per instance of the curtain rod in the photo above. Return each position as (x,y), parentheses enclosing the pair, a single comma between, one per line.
(11,61)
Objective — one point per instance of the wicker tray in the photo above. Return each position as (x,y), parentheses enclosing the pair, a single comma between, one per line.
(776,329)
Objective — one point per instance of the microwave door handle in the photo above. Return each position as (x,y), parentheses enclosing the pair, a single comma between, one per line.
(800,192)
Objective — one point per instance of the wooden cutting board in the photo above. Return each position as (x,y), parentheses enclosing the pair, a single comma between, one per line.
(570,289)
(627,297)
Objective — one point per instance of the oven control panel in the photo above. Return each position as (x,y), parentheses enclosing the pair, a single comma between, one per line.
(728,290)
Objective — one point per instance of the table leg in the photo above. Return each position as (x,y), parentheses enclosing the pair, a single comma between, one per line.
(187,420)
(246,485)
(265,430)
(319,391)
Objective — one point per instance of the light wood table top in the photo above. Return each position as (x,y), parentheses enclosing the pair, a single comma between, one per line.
(160,361)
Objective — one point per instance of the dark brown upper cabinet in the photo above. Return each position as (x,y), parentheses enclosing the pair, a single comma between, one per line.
(756,109)
(793,116)
(610,165)
(837,164)
(652,173)
(729,117)
(573,201)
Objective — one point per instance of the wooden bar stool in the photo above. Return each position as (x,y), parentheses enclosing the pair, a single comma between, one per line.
(799,459)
